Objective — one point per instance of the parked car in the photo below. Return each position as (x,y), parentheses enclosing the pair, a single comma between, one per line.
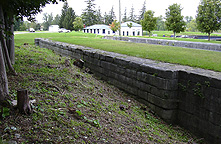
(63,30)
(184,36)
(31,30)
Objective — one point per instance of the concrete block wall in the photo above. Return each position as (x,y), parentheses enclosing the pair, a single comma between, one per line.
(186,44)
(181,95)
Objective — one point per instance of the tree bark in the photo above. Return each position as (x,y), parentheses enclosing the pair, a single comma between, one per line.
(23,102)
(208,36)
(11,46)
(3,41)
(174,35)
(3,79)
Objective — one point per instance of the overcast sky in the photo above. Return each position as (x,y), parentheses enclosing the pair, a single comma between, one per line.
(158,6)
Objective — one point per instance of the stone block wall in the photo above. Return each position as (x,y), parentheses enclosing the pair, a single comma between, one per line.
(186,44)
(181,95)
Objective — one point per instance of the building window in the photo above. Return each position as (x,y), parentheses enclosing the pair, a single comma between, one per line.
(103,31)
(114,32)
(123,33)
(98,31)
(94,30)
(133,33)
(127,33)
(108,32)
(91,30)
(87,30)
(138,33)
(84,30)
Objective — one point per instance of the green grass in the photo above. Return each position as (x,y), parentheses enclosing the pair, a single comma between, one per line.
(184,56)
(74,107)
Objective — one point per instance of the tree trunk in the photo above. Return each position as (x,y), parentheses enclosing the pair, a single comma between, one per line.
(208,36)
(174,35)
(3,79)
(3,41)
(11,46)
(23,102)
(149,33)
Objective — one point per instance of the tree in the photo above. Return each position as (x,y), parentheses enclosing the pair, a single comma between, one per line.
(208,17)
(125,15)
(192,26)
(188,19)
(99,17)
(78,24)
(48,18)
(112,16)
(132,16)
(56,20)
(8,10)
(63,14)
(161,23)
(174,19)
(69,19)
(149,23)
(89,14)
(115,26)
(142,12)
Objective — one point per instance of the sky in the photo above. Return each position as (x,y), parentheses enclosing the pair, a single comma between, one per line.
(158,6)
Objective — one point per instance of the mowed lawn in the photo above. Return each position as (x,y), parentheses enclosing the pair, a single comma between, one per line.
(183,56)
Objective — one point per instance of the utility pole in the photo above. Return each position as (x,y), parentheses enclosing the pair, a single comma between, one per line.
(120,18)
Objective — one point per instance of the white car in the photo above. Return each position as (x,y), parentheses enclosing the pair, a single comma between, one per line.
(63,30)
(31,30)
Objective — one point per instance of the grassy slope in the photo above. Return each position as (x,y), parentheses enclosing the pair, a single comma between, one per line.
(73,107)
(192,57)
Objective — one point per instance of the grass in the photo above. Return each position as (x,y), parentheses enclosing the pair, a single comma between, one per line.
(183,56)
(169,33)
(73,107)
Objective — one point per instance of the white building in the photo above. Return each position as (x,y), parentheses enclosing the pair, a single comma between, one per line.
(99,29)
(135,30)
(53,28)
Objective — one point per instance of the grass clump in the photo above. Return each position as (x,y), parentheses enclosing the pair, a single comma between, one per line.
(73,107)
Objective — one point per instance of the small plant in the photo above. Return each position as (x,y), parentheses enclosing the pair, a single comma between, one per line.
(4,111)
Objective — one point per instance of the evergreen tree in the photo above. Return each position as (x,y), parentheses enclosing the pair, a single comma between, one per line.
(142,12)
(69,19)
(149,23)
(106,18)
(99,18)
(112,16)
(132,16)
(63,14)
(174,19)
(89,14)
(125,15)
(208,17)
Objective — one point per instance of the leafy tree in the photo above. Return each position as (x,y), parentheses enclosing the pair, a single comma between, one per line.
(174,19)
(192,26)
(125,15)
(188,19)
(130,25)
(161,23)
(115,26)
(149,23)
(56,20)
(69,19)
(89,14)
(48,18)
(8,10)
(63,14)
(142,12)
(132,16)
(78,24)
(208,17)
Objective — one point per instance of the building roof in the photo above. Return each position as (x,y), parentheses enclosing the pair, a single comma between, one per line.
(98,26)
(133,24)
